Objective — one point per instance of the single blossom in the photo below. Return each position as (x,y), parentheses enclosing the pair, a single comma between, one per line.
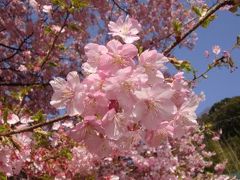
(216,49)
(13,119)
(119,56)
(206,54)
(121,86)
(154,106)
(93,52)
(114,125)
(186,115)
(127,29)
(152,63)
(22,68)
(152,60)
(47,8)
(68,94)
(95,104)
(90,132)
(57,29)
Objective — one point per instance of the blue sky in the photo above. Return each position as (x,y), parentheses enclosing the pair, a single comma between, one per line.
(220,83)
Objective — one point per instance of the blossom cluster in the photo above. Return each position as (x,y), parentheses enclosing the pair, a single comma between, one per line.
(131,113)
(125,96)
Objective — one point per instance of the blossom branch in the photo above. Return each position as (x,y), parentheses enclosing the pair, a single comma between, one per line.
(119,7)
(24,84)
(216,62)
(31,128)
(211,11)
(10,47)
(17,49)
(55,40)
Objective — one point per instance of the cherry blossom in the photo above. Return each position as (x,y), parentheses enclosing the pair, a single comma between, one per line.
(127,28)
(129,119)
(65,93)
(216,49)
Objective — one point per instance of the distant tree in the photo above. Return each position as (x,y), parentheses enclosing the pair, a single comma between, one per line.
(224,115)
(223,120)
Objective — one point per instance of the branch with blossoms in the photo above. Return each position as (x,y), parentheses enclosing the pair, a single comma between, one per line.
(125,101)
(210,12)
(31,128)
(218,62)
(55,40)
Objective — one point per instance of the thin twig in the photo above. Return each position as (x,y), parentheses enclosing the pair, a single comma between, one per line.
(119,7)
(24,84)
(54,41)
(211,11)
(10,47)
(210,67)
(31,128)
(18,49)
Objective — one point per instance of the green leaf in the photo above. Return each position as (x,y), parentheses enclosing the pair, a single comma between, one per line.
(177,27)
(47,30)
(66,153)
(210,66)
(3,128)
(140,49)
(20,94)
(208,21)
(79,4)
(5,114)
(73,27)
(52,64)
(41,138)
(38,117)
(185,65)
(60,3)
(197,10)
(3,176)
(46,177)
(61,47)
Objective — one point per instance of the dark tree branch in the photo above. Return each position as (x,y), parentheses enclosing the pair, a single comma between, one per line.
(16,84)
(18,49)
(10,47)
(119,7)
(210,12)
(31,128)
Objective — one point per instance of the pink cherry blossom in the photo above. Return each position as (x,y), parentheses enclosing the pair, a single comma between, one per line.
(22,68)
(66,93)
(46,8)
(206,54)
(127,29)
(26,120)
(154,106)
(151,60)
(216,49)
(13,119)
(119,56)
(96,104)
(57,29)
(114,125)
(5,161)
(93,53)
